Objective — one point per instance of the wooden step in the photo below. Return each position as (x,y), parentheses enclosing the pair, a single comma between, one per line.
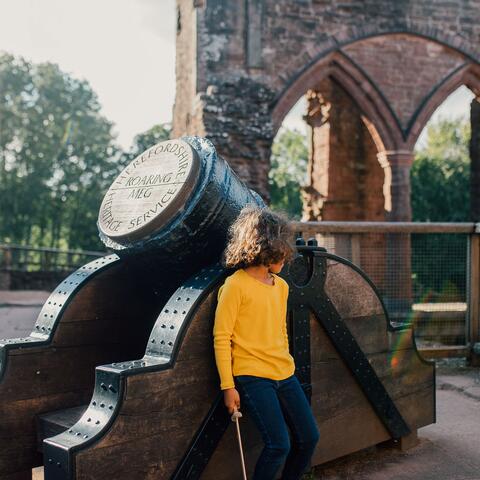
(53,423)
(445,351)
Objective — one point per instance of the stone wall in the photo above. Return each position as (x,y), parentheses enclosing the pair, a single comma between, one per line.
(241,66)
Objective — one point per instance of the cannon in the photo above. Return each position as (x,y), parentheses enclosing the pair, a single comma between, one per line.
(118,377)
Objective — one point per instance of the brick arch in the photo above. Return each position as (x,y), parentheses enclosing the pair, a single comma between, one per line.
(350,35)
(455,41)
(468,75)
(239,62)
(379,117)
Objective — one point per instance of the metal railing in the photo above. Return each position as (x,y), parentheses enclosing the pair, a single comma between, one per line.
(427,274)
(34,259)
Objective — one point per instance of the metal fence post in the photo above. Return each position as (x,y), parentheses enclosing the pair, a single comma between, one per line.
(473,327)
(356,248)
(7,259)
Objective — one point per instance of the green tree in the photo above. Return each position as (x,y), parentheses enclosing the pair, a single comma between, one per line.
(144,140)
(57,156)
(440,174)
(288,171)
(156,134)
(440,180)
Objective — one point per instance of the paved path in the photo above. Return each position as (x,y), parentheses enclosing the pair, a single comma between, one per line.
(18,311)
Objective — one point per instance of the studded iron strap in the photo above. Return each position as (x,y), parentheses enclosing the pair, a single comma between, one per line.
(53,309)
(59,451)
(299,337)
(204,442)
(311,271)
(306,281)
(217,420)
(313,297)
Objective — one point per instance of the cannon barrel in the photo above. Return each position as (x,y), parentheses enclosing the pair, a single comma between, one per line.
(176,199)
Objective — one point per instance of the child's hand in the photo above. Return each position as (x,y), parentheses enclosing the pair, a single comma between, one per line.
(232,399)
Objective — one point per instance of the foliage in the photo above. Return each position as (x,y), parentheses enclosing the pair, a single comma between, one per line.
(143,141)
(440,179)
(440,175)
(288,172)
(57,156)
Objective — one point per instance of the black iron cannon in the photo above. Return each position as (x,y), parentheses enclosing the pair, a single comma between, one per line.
(118,377)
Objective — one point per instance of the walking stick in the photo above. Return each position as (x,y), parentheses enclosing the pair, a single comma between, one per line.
(235,416)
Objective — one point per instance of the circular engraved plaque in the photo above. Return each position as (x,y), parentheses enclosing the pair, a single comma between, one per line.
(149,191)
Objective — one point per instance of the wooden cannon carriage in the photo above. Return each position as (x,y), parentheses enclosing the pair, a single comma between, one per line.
(118,377)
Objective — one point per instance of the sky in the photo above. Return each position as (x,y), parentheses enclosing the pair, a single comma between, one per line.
(124,48)
(126,51)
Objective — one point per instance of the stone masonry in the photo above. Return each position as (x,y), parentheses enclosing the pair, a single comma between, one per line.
(242,65)
(374,72)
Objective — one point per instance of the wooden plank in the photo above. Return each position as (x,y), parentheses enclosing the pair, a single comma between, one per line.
(350,293)
(356,250)
(450,351)
(370,333)
(155,458)
(473,333)
(53,423)
(18,455)
(20,415)
(363,427)
(418,407)
(113,294)
(54,371)
(23,475)
(312,227)
(334,376)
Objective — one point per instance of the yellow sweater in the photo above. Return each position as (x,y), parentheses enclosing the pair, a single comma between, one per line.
(250,329)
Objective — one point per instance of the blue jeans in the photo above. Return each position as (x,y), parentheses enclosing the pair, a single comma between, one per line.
(272,405)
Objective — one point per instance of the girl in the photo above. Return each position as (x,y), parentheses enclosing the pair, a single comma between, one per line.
(251,343)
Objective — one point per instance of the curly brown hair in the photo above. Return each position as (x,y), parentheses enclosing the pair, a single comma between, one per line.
(259,236)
